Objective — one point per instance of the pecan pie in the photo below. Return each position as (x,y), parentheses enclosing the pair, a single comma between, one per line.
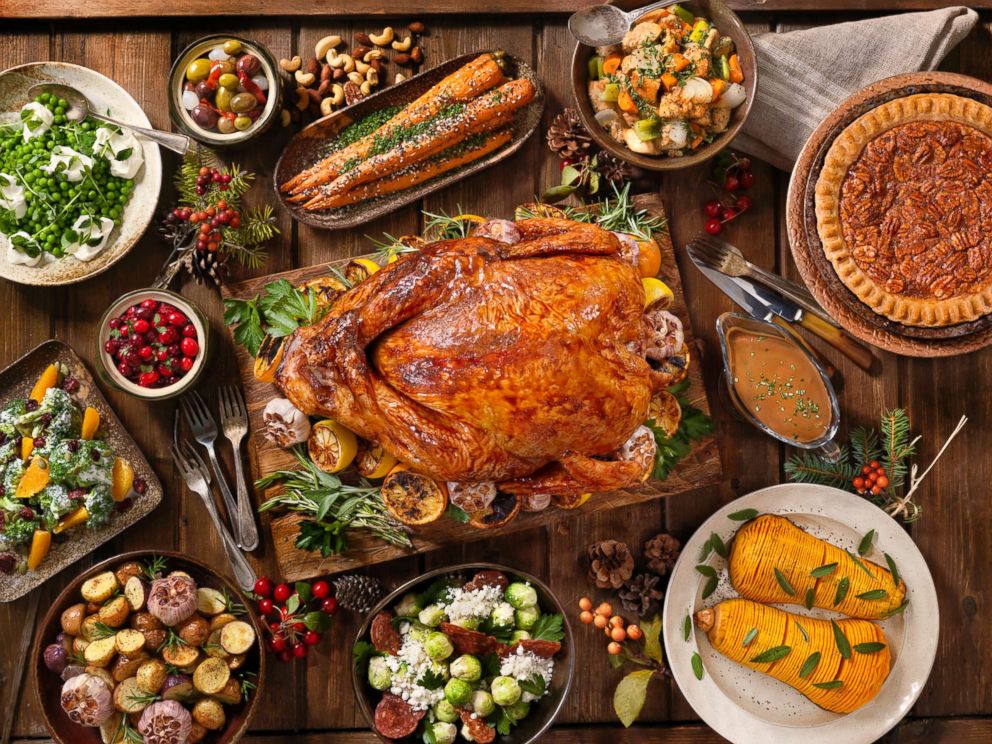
(904,209)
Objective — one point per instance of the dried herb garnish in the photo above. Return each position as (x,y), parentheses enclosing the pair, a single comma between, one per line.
(892,569)
(810,599)
(810,664)
(843,645)
(825,570)
(872,647)
(842,587)
(831,685)
(697,665)
(773,654)
(749,637)
(686,627)
(874,595)
(784,583)
(744,515)
(865,545)
(719,546)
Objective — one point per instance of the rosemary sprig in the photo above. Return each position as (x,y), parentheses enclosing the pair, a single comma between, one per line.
(390,246)
(126,734)
(101,631)
(247,682)
(155,567)
(231,603)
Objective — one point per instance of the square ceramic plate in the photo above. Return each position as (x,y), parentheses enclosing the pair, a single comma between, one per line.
(17,381)
(747,706)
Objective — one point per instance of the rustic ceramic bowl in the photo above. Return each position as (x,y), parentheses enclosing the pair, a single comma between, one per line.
(17,381)
(307,147)
(48,685)
(730,25)
(109,372)
(104,95)
(542,714)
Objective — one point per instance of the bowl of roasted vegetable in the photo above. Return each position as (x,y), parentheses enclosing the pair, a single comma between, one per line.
(148,647)
(477,653)
(674,91)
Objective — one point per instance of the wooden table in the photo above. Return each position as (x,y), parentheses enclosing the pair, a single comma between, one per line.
(312,702)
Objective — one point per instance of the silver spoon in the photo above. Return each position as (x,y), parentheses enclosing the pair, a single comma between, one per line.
(602,25)
(79,109)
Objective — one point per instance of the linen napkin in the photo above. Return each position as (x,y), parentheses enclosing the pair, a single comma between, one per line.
(804,75)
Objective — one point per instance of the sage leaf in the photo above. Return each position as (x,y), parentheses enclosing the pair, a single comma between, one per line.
(707,571)
(784,583)
(719,546)
(860,565)
(697,665)
(710,587)
(802,630)
(810,664)
(773,654)
(865,545)
(831,685)
(892,569)
(686,627)
(629,697)
(842,587)
(843,645)
(705,552)
(872,647)
(825,570)
(743,515)
(810,599)
(874,595)
(749,637)
(897,610)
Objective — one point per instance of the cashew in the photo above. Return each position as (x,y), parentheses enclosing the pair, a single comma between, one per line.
(285,117)
(372,77)
(385,38)
(326,106)
(291,65)
(322,47)
(403,46)
(337,95)
(400,77)
(302,98)
(361,67)
(340,61)
(373,54)
(304,78)
(356,78)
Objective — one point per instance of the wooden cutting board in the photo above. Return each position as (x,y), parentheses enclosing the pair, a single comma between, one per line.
(698,469)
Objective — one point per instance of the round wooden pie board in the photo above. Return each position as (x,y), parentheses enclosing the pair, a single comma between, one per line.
(816,269)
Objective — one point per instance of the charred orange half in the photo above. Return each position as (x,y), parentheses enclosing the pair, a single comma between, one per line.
(413,498)
(373,461)
(666,412)
(503,510)
(268,358)
(331,446)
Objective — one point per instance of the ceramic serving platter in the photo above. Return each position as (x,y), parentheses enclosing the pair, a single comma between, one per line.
(105,96)
(746,706)
(309,146)
(17,381)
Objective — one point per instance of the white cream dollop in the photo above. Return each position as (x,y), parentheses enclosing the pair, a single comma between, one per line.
(91,237)
(16,256)
(75,164)
(41,117)
(125,155)
(12,196)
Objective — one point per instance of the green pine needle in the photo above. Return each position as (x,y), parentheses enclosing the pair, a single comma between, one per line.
(808,467)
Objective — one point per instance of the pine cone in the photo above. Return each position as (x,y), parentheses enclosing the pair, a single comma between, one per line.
(641,595)
(357,593)
(661,552)
(567,136)
(207,266)
(613,169)
(610,564)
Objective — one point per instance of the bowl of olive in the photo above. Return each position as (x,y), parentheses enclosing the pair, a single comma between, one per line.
(224,90)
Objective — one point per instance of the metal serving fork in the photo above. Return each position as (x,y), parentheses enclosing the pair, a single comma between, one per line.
(728,259)
(204,430)
(197,479)
(234,423)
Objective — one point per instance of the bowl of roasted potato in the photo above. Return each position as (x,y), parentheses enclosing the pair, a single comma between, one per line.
(152,647)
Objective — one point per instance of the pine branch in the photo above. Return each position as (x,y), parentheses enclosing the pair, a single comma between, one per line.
(807,467)
(865,446)
(896,446)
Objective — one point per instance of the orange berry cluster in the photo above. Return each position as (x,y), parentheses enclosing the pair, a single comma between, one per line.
(613,626)
(873,479)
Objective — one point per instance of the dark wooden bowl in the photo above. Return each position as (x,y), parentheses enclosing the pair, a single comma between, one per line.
(543,713)
(48,685)
(307,147)
(730,25)
(816,269)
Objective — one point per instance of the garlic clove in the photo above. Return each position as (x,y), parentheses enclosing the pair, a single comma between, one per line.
(165,722)
(87,700)
(172,599)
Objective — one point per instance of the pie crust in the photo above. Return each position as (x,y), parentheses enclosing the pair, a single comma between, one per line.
(904,209)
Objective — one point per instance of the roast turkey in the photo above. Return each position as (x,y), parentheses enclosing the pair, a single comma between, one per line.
(515,356)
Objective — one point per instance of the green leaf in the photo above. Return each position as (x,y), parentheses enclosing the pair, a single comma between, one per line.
(491,664)
(869,648)
(303,589)
(557,193)
(427,734)
(773,654)
(293,604)
(784,583)
(360,655)
(892,569)
(865,545)
(431,680)
(711,585)
(810,599)
(897,610)
(705,551)
(860,565)
(874,595)
(459,515)
(707,571)
(629,697)
(802,630)
(843,645)
(652,639)
(825,570)
(317,621)
(749,637)
(697,665)
(614,661)
(124,154)
(719,546)
(842,588)
(569,175)
(831,685)
(810,664)
(687,627)
(744,515)
(535,685)
(548,628)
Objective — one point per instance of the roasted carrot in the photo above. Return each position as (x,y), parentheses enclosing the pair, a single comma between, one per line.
(718,86)
(469,81)
(420,172)
(612,63)
(489,111)
(679,62)
(626,102)
(736,73)
(669,80)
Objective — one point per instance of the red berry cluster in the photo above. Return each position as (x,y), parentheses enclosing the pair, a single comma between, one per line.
(873,479)
(208,176)
(301,613)
(152,343)
(211,220)
(734,174)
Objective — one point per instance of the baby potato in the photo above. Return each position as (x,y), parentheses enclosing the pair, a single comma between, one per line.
(123,667)
(130,643)
(72,618)
(210,601)
(88,629)
(136,593)
(101,651)
(100,588)
(146,621)
(194,630)
(180,655)
(211,676)
(196,733)
(236,661)
(128,698)
(111,731)
(103,674)
(237,637)
(151,676)
(115,612)
(154,639)
(127,570)
(231,694)
(219,621)
(79,645)
(209,713)
(213,649)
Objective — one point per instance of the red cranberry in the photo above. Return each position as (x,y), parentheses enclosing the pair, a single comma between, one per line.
(26,512)
(7,562)
(31,405)
(111,346)
(152,304)
(124,331)
(162,354)
(139,486)
(45,419)
(141,326)
(39,442)
(144,313)
(77,493)
(186,364)
(171,380)
(146,353)
(70,384)
(190,347)
(174,350)
(113,322)
(178,319)
(73,445)
(95,455)
(189,331)
(125,369)
(146,379)
(168,336)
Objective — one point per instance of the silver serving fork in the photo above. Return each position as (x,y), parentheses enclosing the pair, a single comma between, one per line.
(234,423)
(197,479)
(204,429)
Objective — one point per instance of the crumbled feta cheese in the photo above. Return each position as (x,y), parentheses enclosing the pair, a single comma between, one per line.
(410,665)
(523,665)
(474,604)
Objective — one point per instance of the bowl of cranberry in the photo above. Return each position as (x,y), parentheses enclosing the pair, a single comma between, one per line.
(152,343)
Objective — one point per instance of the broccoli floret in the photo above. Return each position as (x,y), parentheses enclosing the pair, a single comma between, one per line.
(65,424)
(10,414)
(55,504)
(81,467)
(100,504)
(9,450)
(55,403)
(12,476)
(18,531)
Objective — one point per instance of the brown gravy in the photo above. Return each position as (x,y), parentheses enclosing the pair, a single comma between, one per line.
(779,385)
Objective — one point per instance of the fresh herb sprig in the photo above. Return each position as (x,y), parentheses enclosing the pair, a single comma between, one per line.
(278,311)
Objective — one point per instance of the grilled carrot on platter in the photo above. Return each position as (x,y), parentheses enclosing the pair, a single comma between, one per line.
(466,83)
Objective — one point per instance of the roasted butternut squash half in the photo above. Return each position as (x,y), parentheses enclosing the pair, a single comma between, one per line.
(770,555)
(838,665)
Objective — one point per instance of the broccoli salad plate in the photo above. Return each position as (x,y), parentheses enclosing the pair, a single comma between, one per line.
(74,196)
(70,476)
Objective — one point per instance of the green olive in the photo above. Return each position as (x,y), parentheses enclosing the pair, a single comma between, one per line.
(225,125)
(242,103)
(222,99)
(242,123)
(198,70)
(228,80)
(226,66)
(232,46)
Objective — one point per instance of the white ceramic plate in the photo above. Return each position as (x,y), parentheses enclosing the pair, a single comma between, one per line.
(746,706)
(103,94)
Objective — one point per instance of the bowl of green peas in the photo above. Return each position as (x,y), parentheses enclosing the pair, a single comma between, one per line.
(75,197)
